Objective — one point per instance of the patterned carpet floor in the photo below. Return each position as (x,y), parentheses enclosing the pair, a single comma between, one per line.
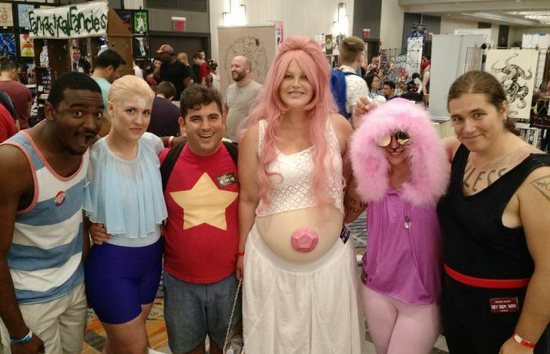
(94,338)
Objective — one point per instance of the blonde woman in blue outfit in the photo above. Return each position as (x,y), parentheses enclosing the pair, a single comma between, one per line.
(122,274)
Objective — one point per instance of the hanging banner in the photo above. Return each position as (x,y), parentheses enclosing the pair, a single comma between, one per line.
(73,21)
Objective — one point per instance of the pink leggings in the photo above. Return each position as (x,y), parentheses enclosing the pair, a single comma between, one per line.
(397,327)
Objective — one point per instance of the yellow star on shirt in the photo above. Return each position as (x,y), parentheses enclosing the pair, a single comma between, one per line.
(204,204)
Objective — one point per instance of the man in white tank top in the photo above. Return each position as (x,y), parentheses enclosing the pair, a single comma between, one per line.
(43,185)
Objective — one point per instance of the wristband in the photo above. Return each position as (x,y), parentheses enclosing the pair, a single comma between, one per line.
(170,141)
(523,342)
(240,254)
(25,339)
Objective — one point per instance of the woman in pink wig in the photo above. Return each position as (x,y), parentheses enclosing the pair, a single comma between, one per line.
(299,275)
(401,170)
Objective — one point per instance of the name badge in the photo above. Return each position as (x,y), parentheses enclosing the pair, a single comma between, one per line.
(344,234)
(504,304)
(227,179)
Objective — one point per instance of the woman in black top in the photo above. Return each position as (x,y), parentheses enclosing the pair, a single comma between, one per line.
(495,223)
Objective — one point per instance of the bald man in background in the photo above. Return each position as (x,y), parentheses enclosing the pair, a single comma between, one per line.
(240,95)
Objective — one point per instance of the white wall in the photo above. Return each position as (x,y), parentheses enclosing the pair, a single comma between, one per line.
(391,24)
(449,25)
(303,17)
(134,4)
(518,32)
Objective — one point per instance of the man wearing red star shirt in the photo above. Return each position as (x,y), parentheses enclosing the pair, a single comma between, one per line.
(202,229)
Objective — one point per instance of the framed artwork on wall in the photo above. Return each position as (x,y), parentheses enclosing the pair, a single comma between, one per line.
(7,45)
(141,23)
(141,46)
(126,17)
(516,71)
(23,15)
(26,48)
(6,14)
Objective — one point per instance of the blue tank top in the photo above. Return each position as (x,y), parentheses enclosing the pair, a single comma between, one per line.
(45,258)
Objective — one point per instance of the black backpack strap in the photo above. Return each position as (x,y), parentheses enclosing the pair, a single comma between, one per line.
(169,163)
(232,149)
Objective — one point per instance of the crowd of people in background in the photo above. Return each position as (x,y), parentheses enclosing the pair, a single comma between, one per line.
(254,186)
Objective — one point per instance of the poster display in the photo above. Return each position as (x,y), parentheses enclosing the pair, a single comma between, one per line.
(126,17)
(26,48)
(7,45)
(140,22)
(141,46)
(6,14)
(257,43)
(414,54)
(516,71)
(279,32)
(23,15)
(419,30)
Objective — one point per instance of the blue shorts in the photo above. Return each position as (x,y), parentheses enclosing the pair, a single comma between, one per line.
(192,311)
(120,279)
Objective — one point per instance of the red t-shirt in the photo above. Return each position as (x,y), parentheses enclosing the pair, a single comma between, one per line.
(203,72)
(20,96)
(7,124)
(202,233)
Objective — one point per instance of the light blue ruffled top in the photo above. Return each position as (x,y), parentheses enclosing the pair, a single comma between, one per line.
(126,195)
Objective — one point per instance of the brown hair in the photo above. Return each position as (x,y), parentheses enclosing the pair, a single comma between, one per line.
(166,88)
(350,47)
(193,97)
(485,83)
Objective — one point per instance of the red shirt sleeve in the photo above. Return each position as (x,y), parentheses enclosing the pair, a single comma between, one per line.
(163,154)
(7,125)
(203,71)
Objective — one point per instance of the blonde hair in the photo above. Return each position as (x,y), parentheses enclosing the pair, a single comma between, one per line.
(350,47)
(129,85)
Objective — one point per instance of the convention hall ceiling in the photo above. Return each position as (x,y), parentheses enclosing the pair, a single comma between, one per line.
(527,13)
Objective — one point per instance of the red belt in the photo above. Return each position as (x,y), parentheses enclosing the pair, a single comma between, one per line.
(487,283)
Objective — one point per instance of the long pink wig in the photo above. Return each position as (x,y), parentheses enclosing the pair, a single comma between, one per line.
(427,159)
(270,107)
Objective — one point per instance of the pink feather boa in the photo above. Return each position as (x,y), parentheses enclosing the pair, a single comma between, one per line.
(427,158)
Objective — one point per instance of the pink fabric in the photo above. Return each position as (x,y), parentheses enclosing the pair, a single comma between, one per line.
(397,327)
(304,239)
(404,263)
(429,163)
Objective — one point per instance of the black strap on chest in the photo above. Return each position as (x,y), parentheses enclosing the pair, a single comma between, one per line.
(173,154)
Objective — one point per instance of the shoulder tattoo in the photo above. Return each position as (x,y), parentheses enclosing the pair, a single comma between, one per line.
(543,186)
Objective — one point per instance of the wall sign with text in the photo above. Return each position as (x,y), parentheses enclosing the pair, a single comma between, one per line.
(73,21)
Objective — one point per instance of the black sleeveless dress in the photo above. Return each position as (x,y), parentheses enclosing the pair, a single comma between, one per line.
(477,244)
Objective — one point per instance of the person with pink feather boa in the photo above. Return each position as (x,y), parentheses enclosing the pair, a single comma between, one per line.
(401,170)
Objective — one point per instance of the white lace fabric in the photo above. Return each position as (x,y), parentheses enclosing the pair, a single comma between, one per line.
(292,185)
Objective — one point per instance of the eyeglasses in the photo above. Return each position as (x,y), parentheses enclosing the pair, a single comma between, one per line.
(401,138)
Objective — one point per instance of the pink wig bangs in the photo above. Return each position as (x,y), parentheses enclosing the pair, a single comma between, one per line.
(428,160)
(270,107)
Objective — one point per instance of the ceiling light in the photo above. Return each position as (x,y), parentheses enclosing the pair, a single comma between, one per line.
(541,16)
(495,17)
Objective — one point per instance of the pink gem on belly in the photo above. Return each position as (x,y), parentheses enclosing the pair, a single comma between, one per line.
(304,239)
